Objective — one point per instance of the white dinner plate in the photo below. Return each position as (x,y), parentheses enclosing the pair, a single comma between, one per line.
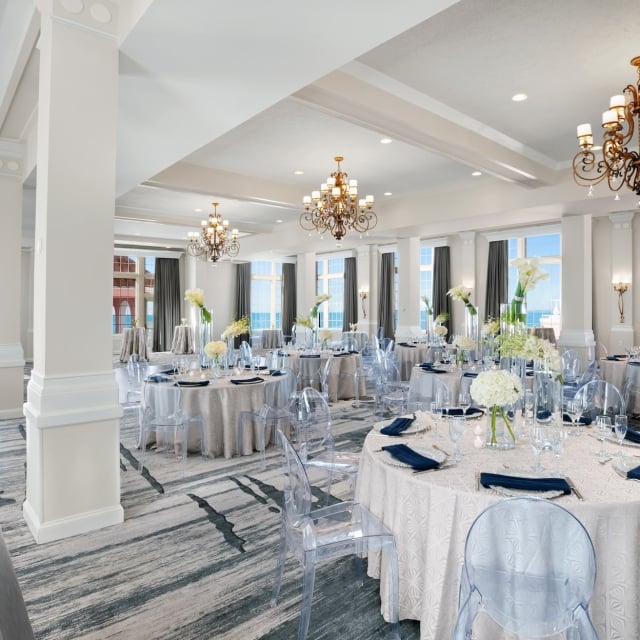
(428,452)
(508,492)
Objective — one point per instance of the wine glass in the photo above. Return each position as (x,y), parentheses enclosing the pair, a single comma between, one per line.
(464,400)
(620,426)
(603,427)
(456,429)
(557,443)
(573,409)
(436,412)
(537,444)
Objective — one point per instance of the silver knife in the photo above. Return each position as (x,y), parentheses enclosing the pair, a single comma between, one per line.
(574,488)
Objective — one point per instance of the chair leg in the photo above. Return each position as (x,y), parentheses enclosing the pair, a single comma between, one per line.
(307,598)
(282,556)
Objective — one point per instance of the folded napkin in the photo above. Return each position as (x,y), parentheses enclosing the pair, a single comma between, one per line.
(470,374)
(529,372)
(340,355)
(582,420)
(169,372)
(158,377)
(634,474)
(634,363)
(193,383)
(276,372)
(424,365)
(246,380)
(407,455)
(617,357)
(433,370)
(310,355)
(525,484)
(261,368)
(396,427)
(543,415)
(632,436)
(406,344)
(459,411)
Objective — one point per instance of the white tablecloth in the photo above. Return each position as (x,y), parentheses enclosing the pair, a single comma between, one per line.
(271,338)
(431,513)
(183,340)
(133,341)
(356,339)
(408,357)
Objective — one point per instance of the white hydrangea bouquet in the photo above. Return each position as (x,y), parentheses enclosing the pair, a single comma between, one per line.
(463,344)
(215,350)
(494,389)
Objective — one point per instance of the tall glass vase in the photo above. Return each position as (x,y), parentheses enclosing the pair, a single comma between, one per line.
(205,334)
(472,330)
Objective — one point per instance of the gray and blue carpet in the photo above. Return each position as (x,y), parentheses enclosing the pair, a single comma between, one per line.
(193,560)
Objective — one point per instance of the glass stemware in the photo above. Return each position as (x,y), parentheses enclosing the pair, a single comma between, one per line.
(603,427)
(538,433)
(573,409)
(464,400)
(557,444)
(620,426)
(456,429)
(436,412)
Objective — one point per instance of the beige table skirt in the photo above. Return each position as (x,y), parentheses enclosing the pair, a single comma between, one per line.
(133,341)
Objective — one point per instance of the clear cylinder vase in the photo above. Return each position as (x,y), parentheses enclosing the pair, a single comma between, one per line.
(500,434)
(429,328)
(472,330)
(205,334)
(230,356)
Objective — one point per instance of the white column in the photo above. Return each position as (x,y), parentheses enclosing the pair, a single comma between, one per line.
(11,352)
(577,300)
(409,288)
(305,282)
(374,288)
(363,266)
(466,275)
(621,333)
(73,458)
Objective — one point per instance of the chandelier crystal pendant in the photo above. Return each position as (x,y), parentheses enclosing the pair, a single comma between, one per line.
(618,166)
(336,208)
(214,240)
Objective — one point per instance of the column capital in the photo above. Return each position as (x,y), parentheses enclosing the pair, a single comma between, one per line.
(467,237)
(11,158)
(100,16)
(622,219)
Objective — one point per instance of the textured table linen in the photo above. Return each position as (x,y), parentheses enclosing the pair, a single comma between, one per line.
(133,341)
(220,404)
(431,513)
(408,357)
(271,338)
(356,340)
(341,384)
(183,341)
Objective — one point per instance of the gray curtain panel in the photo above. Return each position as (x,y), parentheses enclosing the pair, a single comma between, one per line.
(385,303)
(243,296)
(441,283)
(166,302)
(350,315)
(497,278)
(289,300)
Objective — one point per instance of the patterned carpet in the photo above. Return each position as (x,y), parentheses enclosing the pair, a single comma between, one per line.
(193,559)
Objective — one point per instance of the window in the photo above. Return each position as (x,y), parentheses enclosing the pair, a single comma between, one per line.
(543,302)
(426,281)
(133,290)
(266,294)
(330,279)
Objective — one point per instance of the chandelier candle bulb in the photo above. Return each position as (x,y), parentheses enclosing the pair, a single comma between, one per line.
(609,118)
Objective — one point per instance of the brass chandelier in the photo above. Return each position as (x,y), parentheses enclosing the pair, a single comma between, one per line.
(618,165)
(336,208)
(214,240)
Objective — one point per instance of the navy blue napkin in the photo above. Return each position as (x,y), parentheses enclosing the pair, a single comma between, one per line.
(543,415)
(341,355)
(529,372)
(246,381)
(432,370)
(159,377)
(634,363)
(617,357)
(407,455)
(310,355)
(169,372)
(632,436)
(406,344)
(426,364)
(396,427)
(276,372)
(470,374)
(634,474)
(193,383)
(583,419)
(458,411)
(525,484)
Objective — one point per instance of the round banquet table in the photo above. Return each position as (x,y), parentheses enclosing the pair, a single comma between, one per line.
(409,356)
(271,338)
(220,404)
(133,341)
(183,340)
(431,513)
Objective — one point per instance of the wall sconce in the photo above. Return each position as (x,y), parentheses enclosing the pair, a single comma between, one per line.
(621,288)
(363,296)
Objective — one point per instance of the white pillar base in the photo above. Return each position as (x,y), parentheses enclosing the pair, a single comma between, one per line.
(11,380)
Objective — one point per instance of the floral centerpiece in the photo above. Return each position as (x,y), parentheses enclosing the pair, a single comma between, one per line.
(463,294)
(463,344)
(494,389)
(529,274)
(325,336)
(237,328)
(440,330)
(490,328)
(427,304)
(215,350)
(353,327)
(196,297)
(310,321)
(531,347)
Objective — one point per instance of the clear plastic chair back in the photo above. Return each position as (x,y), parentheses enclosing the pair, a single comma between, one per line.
(530,565)
(597,398)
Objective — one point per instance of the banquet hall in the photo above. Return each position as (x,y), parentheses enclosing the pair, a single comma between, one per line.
(121,123)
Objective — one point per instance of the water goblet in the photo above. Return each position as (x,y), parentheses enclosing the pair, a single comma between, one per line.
(456,429)
(436,412)
(538,436)
(620,426)
(603,427)
(464,400)
(557,437)
(573,409)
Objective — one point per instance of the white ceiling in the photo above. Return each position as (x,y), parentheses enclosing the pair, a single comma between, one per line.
(225,101)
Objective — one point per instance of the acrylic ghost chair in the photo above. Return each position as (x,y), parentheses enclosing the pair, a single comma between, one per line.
(530,566)
(328,533)
(599,397)
(276,410)
(162,414)
(315,443)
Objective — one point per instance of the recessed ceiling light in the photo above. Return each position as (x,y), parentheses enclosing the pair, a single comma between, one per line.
(388,193)
(197,210)
(386,141)
(298,172)
(476,173)
(278,220)
(519,97)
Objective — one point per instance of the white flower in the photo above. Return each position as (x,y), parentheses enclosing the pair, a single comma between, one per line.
(529,274)
(440,330)
(496,388)
(464,342)
(490,328)
(195,296)
(215,349)
(460,293)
